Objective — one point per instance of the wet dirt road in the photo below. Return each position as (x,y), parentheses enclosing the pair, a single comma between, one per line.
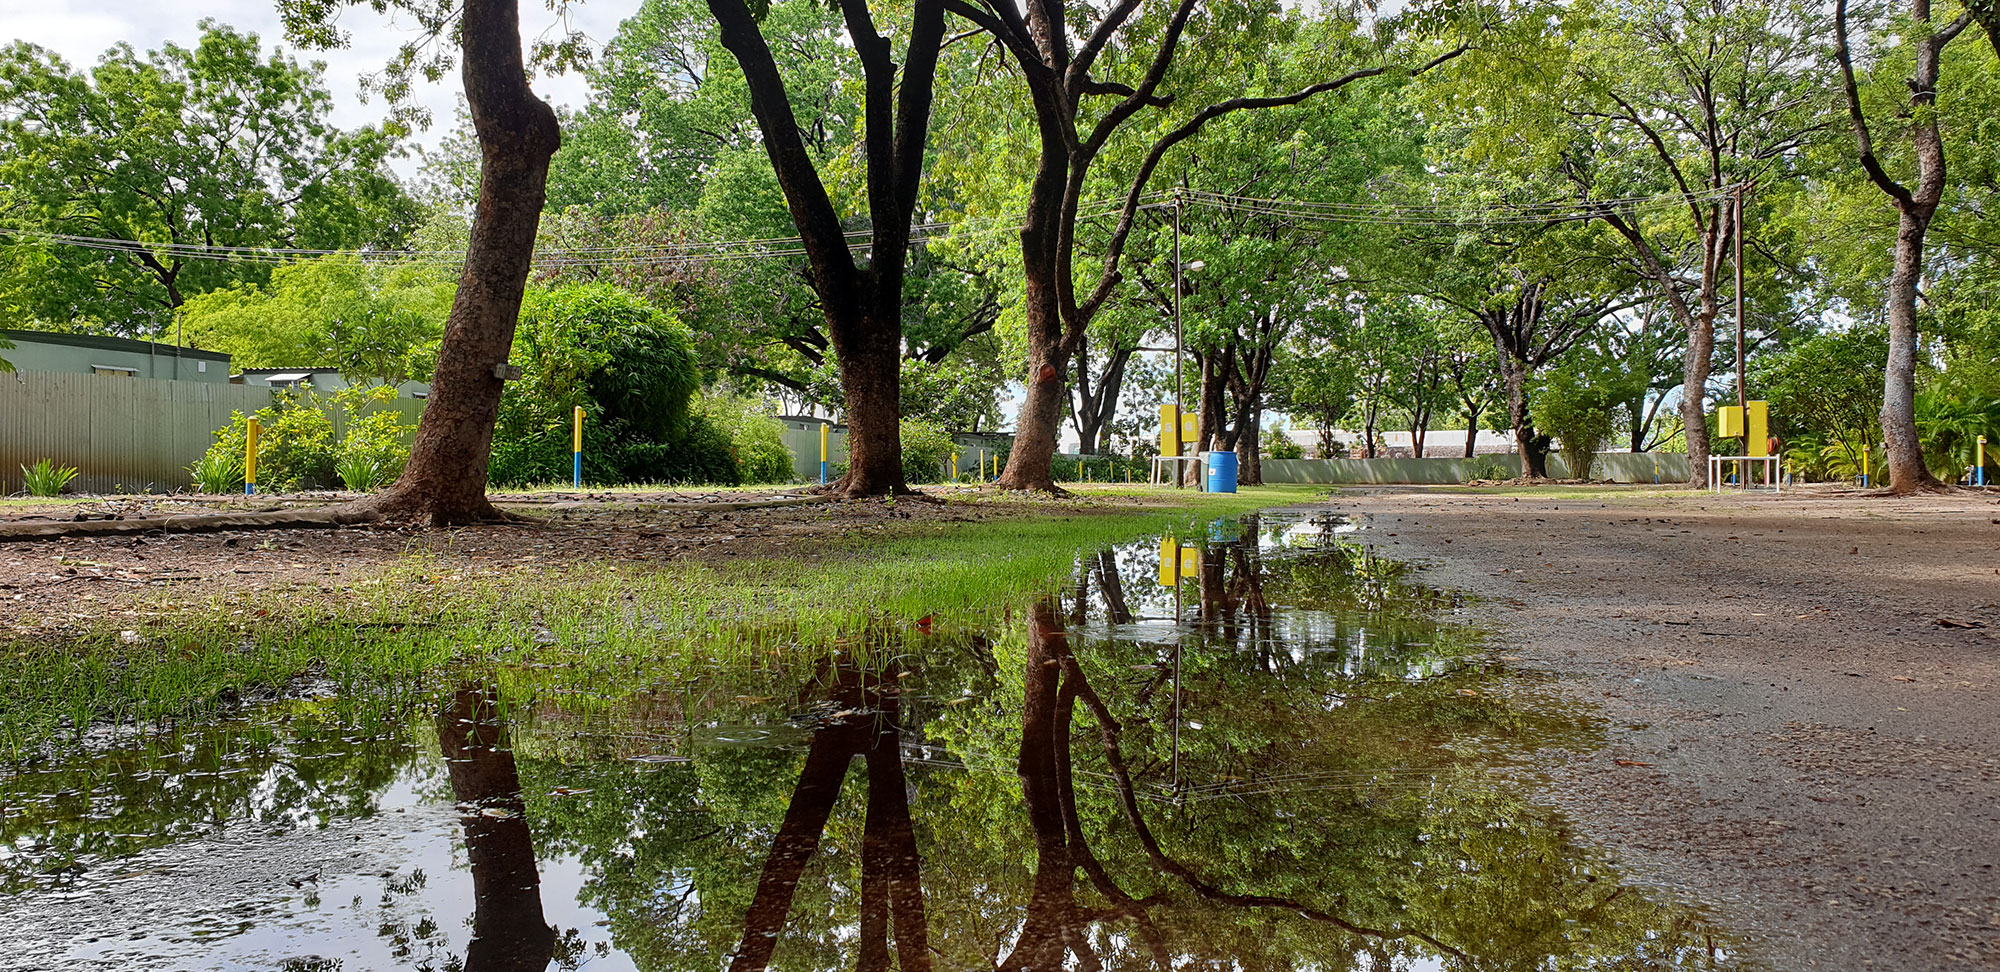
(1805,690)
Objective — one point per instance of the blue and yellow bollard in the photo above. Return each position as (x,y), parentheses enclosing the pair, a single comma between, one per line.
(576,452)
(1979,468)
(822,453)
(252,427)
(1864,468)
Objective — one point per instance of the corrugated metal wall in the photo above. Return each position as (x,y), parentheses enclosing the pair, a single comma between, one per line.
(123,434)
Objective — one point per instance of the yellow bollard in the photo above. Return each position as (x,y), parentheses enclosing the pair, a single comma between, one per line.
(250,456)
(1864,464)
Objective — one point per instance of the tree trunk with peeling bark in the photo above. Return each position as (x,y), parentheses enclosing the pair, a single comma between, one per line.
(445,479)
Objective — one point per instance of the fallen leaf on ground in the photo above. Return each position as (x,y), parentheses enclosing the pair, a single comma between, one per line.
(1630,762)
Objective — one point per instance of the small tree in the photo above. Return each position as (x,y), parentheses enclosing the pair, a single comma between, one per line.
(1579,413)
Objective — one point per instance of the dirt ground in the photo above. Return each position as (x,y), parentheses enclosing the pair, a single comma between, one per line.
(1804,693)
(51,587)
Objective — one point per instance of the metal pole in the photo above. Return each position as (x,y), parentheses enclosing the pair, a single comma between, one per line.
(1742,393)
(1180,394)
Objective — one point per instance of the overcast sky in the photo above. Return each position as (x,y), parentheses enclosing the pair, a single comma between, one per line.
(81,30)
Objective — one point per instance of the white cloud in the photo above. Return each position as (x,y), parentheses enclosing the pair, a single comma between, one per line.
(82,31)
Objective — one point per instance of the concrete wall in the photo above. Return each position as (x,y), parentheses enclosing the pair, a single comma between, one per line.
(76,354)
(126,434)
(1618,467)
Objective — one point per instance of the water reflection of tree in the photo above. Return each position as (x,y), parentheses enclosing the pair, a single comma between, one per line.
(509,932)
(868,727)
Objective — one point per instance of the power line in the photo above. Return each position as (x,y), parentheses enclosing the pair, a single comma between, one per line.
(725,251)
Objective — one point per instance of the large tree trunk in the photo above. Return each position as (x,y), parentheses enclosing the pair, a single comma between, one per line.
(445,479)
(871,369)
(863,307)
(1534,446)
(1694,381)
(1905,451)
(1249,450)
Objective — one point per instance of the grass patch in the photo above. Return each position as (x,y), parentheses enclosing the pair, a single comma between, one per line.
(583,626)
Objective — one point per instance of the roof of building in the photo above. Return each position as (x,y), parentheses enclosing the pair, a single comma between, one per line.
(105,343)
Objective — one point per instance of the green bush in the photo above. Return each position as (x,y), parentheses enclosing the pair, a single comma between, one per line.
(756,440)
(927,450)
(1578,414)
(295,445)
(631,367)
(376,445)
(296,448)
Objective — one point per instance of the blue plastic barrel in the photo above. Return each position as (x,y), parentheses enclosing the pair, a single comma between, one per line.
(1221,471)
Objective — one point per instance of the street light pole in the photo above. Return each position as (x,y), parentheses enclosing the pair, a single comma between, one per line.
(1180,394)
(1742,393)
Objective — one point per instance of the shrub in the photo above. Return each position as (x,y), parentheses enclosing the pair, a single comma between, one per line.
(45,478)
(1281,446)
(216,473)
(756,440)
(295,446)
(631,367)
(376,445)
(927,450)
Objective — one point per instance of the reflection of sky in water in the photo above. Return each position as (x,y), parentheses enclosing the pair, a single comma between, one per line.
(385,890)
(1344,642)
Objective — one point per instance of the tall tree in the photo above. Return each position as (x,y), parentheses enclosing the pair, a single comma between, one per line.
(1060,61)
(863,305)
(445,480)
(163,162)
(1916,206)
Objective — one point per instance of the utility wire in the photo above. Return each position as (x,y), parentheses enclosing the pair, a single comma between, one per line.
(727,251)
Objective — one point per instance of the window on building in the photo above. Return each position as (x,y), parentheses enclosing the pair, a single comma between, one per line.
(114,371)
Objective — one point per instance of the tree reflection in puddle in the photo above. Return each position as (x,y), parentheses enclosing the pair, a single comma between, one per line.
(1277,760)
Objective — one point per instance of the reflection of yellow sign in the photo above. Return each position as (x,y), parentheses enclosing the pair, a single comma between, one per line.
(1177,561)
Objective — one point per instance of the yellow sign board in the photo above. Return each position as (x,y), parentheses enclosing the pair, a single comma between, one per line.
(1758,442)
(1729,421)
(1170,430)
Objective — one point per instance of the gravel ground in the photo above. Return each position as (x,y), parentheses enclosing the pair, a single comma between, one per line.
(1804,690)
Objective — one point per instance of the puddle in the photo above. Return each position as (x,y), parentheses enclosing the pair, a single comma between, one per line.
(1252,747)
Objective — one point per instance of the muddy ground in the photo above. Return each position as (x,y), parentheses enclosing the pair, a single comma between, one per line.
(1804,693)
(55,587)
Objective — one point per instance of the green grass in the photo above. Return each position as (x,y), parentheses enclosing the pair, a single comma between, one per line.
(581,626)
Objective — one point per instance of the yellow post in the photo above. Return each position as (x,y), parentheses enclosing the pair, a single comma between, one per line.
(576,452)
(250,456)
(1980,466)
(823,430)
(954,467)
(1864,464)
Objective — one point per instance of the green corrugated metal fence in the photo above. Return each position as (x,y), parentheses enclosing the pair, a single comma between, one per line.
(124,434)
